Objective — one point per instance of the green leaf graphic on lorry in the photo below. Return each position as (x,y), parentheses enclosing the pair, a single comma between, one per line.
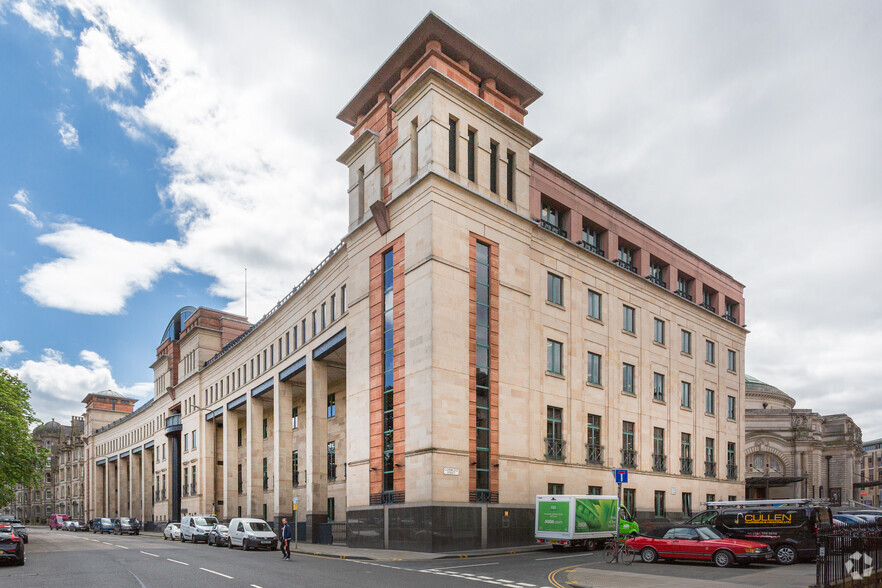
(554,517)
(594,515)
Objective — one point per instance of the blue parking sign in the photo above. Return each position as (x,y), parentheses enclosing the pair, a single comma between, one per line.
(621,476)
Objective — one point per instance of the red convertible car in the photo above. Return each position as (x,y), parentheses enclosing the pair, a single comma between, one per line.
(699,543)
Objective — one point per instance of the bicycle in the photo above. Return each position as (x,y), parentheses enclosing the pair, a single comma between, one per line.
(621,550)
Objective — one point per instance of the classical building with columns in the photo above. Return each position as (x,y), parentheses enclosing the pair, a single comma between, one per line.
(796,452)
(488,329)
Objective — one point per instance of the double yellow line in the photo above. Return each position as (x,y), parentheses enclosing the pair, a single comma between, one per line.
(552,576)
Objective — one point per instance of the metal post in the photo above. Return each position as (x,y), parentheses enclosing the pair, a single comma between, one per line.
(618,523)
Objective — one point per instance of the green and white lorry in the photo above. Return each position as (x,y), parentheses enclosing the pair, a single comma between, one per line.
(569,520)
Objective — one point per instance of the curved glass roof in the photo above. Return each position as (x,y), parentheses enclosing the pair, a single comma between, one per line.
(176,324)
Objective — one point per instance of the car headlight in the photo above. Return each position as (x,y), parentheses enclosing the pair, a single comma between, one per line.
(751,549)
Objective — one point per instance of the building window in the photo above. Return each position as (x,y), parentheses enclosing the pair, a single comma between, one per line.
(331,509)
(730,408)
(295,472)
(553,219)
(593,369)
(629,498)
(687,504)
(186,437)
(303,332)
(343,299)
(388,377)
(295,418)
(239,477)
(333,307)
(186,488)
(554,444)
(659,459)
(685,394)
(629,454)
(658,387)
(494,167)
(554,357)
(594,446)
(710,464)
(660,503)
(686,454)
(554,292)
(709,351)
(288,341)
(656,275)
(709,401)
(451,149)
(332,461)
(193,440)
(264,429)
(686,342)
(314,323)
(324,313)
(711,497)
(731,467)
(595,490)
(239,437)
(482,370)
(472,153)
(555,489)
(594,302)
(332,405)
(731,362)
(628,319)
(659,332)
(591,240)
(683,286)
(510,177)
(626,257)
(265,475)
(627,378)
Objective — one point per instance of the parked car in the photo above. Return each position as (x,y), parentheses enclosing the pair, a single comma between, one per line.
(102,525)
(195,528)
(78,526)
(20,530)
(700,544)
(848,520)
(172,531)
(11,545)
(126,526)
(252,534)
(791,531)
(56,521)
(219,536)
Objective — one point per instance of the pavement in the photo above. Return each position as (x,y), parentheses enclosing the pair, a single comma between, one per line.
(357,553)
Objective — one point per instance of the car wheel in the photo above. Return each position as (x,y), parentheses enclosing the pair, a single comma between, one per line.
(164,537)
(648,555)
(786,555)
(20,562)
(244,545)
(723,559)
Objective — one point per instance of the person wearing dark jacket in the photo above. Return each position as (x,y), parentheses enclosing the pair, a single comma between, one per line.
(286,540)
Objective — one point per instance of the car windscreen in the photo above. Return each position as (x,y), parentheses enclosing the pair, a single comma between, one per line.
(176,525)
(5,534)
(259,526)
(107,521)
(205,521)
(708,533)
(223,528)
(125,521)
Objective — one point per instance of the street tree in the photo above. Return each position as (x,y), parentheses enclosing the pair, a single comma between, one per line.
(21,461)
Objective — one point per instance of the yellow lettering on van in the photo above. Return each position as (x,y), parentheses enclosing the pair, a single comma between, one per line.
(777,519)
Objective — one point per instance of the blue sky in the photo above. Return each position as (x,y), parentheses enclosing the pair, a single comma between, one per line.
(150,152)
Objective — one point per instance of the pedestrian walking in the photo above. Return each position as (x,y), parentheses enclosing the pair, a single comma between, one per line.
(286,540)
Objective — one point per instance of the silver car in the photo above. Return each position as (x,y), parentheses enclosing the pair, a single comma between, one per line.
(252,534)
(172,531)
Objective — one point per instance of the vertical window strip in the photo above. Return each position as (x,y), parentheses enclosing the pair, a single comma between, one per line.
(451,154)
(388,373)
(510,177)
(482,370)
(494,167)
(472,154)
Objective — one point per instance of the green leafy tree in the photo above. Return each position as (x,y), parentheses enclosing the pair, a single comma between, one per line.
(21,462)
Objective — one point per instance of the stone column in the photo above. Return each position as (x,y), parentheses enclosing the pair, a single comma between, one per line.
(231,492)
(135,465)
(283,441)
(254,457)
(207,467)
(316,444)
(108,492)
(148,490)
(123,497)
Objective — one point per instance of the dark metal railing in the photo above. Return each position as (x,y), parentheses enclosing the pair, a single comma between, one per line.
(849,556)
(629,458)
(683,294)
(592,248)
(657,281)
(624,264)
(710,469)
(387,497)
(707,306)
(731,472)
(730,318)
(686,466)
(659,462)
(551,227)
(594,453)
(483,496)
(554,448)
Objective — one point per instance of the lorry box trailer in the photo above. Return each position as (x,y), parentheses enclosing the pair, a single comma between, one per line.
(570,520)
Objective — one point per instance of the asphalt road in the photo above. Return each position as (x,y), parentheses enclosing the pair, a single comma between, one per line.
(56,558)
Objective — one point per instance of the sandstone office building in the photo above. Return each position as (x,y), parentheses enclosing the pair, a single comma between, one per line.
(488,330)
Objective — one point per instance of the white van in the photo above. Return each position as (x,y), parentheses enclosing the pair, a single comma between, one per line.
(252,534)
(195,528)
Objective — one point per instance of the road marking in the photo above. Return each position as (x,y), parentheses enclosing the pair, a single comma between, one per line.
(150,554)
(467,566)
(255,586)
(122,547)
(106,543)
(216,573)
(177,562)
(563,556)
(526,585)
(137,578)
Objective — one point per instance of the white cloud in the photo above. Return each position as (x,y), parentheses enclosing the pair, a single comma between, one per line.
(57,56)
(58,388)
(97,272)
(10,348)
(41,17)
(100,63)
(70,138)
(21,206)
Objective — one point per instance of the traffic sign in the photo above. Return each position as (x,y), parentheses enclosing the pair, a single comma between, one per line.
(621,476)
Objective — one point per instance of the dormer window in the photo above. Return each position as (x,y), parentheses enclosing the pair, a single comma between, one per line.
(657,274)
(731,313)
(552,218)
(626,257)
(684,284)
(707,300)
(591,240)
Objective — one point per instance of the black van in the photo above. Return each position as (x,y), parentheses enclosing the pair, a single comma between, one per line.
(790,531)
